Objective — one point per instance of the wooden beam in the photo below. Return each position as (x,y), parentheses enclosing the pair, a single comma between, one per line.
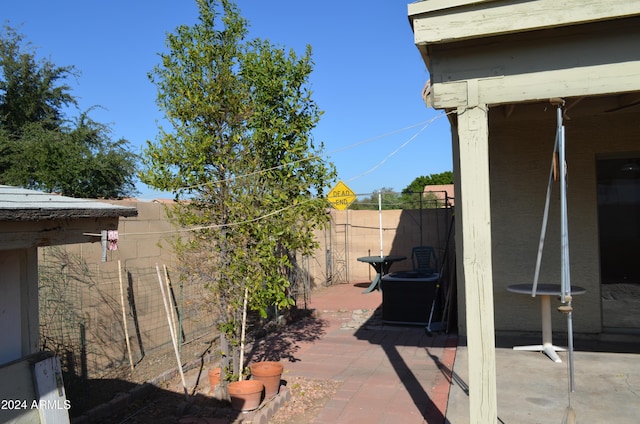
(28,234)
(473,19)
(438,5)
(577,82)
(475,211)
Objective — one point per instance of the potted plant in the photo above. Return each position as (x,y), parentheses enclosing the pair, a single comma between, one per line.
(246,395)
(269,373)
(214,377)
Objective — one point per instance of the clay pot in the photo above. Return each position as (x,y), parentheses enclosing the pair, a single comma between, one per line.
(269,373)
(214,377)
(246,395)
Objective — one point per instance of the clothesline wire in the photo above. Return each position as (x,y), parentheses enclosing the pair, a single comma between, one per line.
(379,164)
(402,146)
(311,157)
(215,226)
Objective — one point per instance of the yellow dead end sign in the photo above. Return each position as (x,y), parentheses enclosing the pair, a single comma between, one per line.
(341,196)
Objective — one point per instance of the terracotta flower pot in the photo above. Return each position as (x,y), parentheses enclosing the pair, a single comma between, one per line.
(214,377)
(269,373)
(246,395)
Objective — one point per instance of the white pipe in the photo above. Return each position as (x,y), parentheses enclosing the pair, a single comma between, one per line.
(380,213)
(172,306)
(244,329)
(564,230)
(545,220)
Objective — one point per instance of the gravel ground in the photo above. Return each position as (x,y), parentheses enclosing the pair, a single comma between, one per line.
(308,397)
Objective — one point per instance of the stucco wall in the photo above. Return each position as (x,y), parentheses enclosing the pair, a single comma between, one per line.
(520,160)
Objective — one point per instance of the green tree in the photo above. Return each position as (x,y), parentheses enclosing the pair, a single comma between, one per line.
(240,160)
(413,195)
(30,90)
(39,147)
(385,196)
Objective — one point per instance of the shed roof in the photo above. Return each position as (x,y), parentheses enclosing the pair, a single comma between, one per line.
(19,204)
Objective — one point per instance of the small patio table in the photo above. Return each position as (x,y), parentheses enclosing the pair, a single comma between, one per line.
(381,264)
(544,291)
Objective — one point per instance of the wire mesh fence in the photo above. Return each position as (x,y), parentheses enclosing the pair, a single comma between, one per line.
(440,196)
(82,309)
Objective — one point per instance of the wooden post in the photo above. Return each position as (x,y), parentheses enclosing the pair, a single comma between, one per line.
(475,210)
(124,316)
(172,332)
(172,305)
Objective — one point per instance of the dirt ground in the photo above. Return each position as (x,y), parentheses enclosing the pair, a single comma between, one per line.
(85,394)
(167,401)
(163,406)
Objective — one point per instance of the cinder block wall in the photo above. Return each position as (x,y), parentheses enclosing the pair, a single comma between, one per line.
(93,307)
(144,240)
(355,234)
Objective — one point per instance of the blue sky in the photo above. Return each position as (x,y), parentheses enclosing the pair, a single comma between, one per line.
(367,78)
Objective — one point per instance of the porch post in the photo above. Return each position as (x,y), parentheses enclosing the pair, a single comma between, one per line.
(476,244)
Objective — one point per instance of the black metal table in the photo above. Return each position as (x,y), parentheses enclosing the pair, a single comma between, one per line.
(381,264)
